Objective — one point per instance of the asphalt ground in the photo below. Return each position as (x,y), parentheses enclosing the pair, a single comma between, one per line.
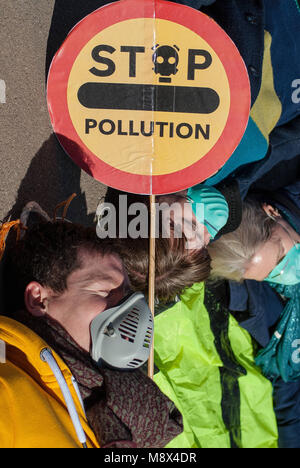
(33,165)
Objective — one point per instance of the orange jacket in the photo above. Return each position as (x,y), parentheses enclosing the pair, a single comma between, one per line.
(33,412)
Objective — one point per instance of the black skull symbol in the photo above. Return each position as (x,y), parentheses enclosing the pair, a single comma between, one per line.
(165,59)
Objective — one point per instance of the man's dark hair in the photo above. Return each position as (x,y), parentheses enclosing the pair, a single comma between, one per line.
(47,254)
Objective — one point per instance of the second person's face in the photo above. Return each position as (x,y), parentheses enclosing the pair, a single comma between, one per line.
(270,254)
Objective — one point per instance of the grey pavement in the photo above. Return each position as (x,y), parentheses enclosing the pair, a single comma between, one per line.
(33,165)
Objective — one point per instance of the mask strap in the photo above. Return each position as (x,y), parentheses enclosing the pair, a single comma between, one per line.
(66,205)
(296,244)
(4,231)
(286,230)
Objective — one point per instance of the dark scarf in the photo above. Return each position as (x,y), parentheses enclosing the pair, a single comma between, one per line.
(124,409)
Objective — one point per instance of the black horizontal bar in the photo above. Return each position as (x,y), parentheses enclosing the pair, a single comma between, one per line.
(146,97)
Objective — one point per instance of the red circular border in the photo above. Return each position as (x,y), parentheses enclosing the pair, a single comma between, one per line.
(196,21)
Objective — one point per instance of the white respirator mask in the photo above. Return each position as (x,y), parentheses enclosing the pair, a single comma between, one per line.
(122,335)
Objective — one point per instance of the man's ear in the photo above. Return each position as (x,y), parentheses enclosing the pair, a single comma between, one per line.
(271,211)
(36,299)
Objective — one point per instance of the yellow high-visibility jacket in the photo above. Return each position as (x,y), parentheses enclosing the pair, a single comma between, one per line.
(33,411)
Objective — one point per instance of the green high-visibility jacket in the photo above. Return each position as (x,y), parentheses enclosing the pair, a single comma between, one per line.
(206,366)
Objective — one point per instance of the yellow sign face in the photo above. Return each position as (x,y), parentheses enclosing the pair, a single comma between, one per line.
(169,86)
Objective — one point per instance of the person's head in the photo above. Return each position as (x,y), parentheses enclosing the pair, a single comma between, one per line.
(181,257)
(174,217)
(254,249)
(64,270)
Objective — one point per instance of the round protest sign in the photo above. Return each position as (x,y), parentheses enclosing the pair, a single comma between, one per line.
(148,96)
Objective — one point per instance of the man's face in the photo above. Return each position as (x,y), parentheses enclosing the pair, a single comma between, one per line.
(100,283)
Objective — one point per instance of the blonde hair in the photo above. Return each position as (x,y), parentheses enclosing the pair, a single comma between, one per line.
(232,253)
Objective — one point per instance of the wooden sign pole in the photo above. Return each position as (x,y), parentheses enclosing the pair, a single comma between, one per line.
(151,289)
